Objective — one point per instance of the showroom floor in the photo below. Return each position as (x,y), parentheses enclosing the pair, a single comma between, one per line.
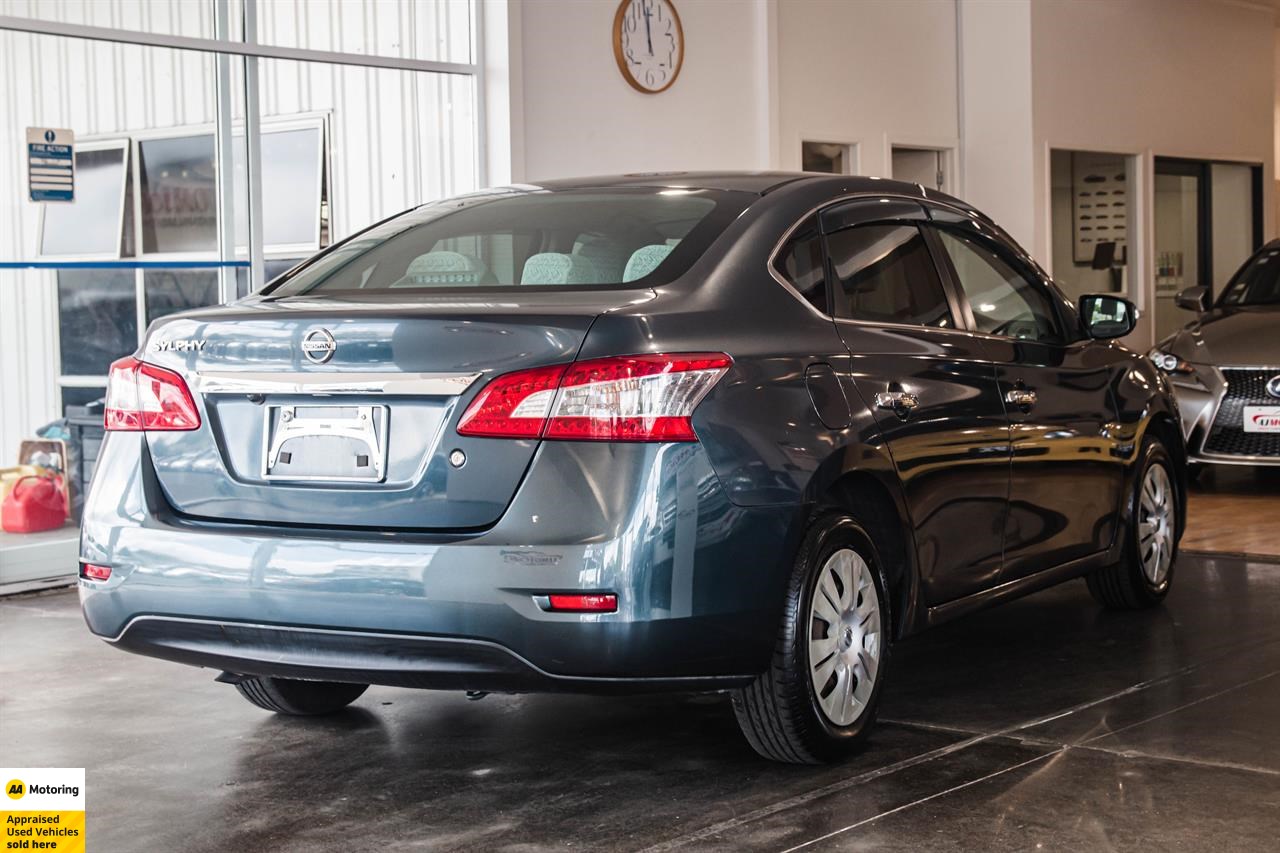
(1233,510)
(1045,724)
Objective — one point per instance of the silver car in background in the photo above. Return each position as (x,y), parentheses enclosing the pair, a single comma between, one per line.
(1225,367)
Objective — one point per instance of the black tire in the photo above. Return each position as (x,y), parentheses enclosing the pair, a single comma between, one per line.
(780,713)
(1126,585)
(299,698)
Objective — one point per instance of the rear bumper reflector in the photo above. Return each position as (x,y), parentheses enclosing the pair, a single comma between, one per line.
(596,602)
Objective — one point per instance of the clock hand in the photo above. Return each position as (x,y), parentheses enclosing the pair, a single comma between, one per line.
(648,33)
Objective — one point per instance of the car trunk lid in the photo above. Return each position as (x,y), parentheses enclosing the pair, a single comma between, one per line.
(336,413)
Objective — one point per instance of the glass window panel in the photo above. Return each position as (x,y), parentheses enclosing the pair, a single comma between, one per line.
(887,275)
(97,319)
(90,225)
(170,291)
(439,31)
(573,238)
(1003,300)
(800,263)
(290,188)
(179,194)
(1258,283)
(81,396)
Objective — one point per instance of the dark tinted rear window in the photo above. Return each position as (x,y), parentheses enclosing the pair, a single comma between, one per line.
(886,275)
(800,263)
(570,238)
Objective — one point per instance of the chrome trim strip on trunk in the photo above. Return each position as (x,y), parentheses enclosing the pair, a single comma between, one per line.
(408,384)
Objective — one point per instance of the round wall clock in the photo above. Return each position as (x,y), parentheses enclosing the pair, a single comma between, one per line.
(648,43)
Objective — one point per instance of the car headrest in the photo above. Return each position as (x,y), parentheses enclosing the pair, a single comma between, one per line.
(645,260)
(558,268)
(443,268)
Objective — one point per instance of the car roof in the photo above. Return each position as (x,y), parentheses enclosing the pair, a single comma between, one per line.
(758,183)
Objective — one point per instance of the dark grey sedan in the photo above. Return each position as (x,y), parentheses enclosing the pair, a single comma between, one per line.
(1225,367)
(734,432)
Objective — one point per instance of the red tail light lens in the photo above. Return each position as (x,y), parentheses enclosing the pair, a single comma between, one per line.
(590,603)
(625,398)
(141,396)
(513,406)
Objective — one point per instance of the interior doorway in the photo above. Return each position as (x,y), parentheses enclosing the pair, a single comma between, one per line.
(927,167)
(1091,220)
(1208,220)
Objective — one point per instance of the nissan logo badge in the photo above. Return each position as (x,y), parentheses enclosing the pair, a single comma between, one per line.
(319,346)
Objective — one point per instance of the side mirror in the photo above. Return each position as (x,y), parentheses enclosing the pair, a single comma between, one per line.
(1194,299)
(1105,316)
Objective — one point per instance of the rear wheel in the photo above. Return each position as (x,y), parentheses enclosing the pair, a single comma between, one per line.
(1142,577)
(299,698)
(817,701)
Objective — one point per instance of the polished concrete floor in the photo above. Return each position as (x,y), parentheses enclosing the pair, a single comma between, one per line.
(1235,509)
(1048,724)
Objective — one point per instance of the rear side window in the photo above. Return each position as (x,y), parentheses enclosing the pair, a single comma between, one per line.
(564,238)
(800,264)
(885,274)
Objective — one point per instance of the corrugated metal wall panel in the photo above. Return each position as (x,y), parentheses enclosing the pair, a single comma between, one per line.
(398,138)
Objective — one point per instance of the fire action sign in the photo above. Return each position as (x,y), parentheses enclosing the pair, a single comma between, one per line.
(43,809)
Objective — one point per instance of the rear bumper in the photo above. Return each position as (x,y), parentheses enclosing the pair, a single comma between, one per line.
(364,657)
(699,582)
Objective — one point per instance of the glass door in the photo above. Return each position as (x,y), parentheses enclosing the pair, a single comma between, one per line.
(1181,260)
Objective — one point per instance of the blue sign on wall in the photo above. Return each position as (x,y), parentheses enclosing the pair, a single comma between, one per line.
(51,164)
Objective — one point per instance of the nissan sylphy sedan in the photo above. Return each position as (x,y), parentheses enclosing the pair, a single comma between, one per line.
(714,432)
(1225,367)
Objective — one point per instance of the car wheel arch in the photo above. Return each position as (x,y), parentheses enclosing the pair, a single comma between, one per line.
(875,500)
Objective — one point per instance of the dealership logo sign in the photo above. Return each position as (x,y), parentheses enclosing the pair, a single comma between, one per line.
(319,346)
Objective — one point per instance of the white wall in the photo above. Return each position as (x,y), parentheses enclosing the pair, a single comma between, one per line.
(1181,78)
(873,72)
(580,117)
(996,62)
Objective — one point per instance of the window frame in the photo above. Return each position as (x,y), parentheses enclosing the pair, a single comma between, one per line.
(102,143)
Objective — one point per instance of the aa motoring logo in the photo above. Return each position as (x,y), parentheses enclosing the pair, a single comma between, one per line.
(1268,421)
(44,810)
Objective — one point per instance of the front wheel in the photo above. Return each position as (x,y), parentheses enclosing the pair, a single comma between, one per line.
(299,698)
(1142,577)
(817,701)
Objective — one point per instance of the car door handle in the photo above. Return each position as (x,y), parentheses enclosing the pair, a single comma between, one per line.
(1023,398)
(902,403)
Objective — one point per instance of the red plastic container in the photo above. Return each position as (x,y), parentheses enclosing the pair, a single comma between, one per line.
(35,504)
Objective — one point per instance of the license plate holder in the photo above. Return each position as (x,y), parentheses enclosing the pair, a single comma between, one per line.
(1263,419)
(330,444)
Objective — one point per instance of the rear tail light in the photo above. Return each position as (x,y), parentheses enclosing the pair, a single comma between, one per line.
(625,398)
(141,396)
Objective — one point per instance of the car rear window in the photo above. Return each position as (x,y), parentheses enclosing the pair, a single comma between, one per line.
(566,238)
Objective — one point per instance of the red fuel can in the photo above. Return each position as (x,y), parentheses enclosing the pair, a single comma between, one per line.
(35,504)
